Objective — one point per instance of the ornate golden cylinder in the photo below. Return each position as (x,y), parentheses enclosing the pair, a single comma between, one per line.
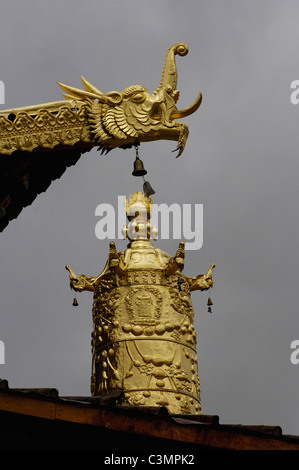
(144,341)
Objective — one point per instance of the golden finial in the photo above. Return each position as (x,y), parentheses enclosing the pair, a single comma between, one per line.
(138,201)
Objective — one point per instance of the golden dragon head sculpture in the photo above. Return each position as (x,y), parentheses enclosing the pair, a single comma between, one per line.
(133,115)
(91,118)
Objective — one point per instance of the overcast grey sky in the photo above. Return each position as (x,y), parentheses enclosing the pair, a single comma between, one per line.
(240,162)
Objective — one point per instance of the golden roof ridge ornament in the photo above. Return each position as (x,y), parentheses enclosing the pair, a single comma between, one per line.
(144,340)
(91,118)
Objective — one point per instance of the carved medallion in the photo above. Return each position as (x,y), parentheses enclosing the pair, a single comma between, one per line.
(144,303)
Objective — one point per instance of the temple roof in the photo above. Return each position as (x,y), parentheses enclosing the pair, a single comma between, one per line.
(24,175)
(39,418)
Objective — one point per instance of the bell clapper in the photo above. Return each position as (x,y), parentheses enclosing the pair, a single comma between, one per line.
(147,189)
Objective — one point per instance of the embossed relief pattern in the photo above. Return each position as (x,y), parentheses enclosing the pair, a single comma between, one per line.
(46,129)
(144,341)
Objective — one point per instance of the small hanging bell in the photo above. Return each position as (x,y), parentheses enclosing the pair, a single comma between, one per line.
(209,302)
(75,302)
(139,169)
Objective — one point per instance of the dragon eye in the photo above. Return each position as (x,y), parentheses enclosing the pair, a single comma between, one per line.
(139,97)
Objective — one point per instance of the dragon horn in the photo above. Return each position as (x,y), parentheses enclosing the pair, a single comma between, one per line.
(68,97)
(112,98)
(75,92)
(89,87)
